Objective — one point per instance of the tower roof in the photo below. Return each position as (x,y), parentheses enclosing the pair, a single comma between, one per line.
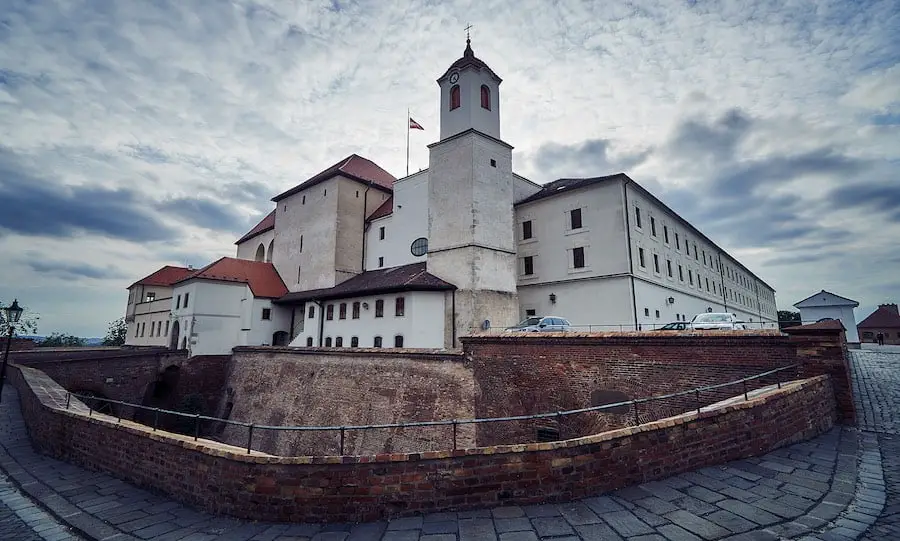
(469,59)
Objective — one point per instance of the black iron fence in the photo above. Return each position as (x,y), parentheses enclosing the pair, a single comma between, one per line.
(97,403)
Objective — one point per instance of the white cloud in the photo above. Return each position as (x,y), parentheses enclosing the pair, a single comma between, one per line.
(168,100)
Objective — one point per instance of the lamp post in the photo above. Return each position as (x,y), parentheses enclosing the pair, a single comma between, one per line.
(13,313)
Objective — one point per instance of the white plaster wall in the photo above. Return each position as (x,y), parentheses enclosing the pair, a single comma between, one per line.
(422,324)
(523,188)
(247,249)
(470,114)
(148,315)
(255,330)
(408,222)
(602,235)
(213,315)
(605,302)
(843,313)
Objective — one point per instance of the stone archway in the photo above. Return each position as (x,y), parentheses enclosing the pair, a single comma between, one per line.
(260,253)
(280,338)
(176,330)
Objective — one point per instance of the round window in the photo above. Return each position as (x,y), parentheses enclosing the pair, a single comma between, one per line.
(419,246)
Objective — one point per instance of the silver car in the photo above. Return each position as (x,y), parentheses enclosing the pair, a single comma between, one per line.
(542,324)
(716,321)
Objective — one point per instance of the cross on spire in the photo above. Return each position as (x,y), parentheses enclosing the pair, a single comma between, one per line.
(468,37)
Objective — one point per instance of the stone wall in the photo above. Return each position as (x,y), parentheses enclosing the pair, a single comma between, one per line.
(17,344)
(338,387)
(519,374)
(226,480)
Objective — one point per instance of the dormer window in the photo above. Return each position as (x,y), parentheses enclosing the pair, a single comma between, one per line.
(454,97)
(485,97)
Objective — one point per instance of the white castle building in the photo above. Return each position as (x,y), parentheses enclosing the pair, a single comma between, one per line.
(354,257)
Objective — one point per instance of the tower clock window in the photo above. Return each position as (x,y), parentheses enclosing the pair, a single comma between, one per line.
(454,97)
(485,97)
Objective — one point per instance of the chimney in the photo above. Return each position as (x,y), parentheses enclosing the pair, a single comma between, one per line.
(892,307)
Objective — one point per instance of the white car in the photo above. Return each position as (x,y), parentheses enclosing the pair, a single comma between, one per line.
(542,324)
(716,321)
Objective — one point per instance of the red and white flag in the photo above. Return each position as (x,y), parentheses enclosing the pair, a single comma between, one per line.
(413,125)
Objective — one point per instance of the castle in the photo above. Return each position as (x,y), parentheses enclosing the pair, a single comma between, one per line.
(354,257)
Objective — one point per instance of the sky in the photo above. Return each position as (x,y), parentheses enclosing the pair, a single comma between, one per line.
(135,134)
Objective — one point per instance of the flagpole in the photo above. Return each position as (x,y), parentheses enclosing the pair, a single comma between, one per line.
(407,141)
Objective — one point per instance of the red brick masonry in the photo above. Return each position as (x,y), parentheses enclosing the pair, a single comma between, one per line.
(223,479)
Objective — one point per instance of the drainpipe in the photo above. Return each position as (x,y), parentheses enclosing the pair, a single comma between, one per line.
(630,258)
(453,314)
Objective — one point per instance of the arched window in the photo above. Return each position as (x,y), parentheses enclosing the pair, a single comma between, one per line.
(309,341)
(485,97)
(339,342)
(260,253)
(398,341)
(454,97)
(271,249)
(354,342)
(328,342)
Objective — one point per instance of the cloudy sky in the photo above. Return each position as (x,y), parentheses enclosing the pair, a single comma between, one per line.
(140,133)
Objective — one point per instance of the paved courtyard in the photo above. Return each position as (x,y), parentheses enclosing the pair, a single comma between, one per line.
(830,488)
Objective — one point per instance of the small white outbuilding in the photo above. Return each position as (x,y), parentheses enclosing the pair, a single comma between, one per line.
(826,305)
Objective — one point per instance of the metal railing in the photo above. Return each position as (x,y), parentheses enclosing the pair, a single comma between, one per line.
(631,327)
(454,423)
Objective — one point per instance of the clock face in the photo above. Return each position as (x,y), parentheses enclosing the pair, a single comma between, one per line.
(454,77)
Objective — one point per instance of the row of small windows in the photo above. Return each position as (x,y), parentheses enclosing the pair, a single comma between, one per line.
(155,328)
(399,309)
(574,222)
(354,341)
(678,317)
(187,297)
(577,260)
(455,100)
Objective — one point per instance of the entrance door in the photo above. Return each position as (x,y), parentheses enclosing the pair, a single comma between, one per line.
(173,342)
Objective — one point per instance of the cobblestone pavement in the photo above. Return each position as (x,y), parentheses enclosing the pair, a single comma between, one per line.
(831,488)
(876,375)
(22,520)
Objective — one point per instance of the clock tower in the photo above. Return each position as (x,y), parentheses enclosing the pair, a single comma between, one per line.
(470,199)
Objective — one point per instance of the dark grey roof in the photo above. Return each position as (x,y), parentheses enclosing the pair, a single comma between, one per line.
(412,277)
(567,185)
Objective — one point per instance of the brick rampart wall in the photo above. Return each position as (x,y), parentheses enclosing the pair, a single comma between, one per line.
(18,344)
(338,387)
(225,480)
(822,348)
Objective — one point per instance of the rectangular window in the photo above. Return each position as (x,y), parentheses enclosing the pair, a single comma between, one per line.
(575,218)
(666,233)
(178,302)
(301,244)
(267,313)
(186,297)
(704,257)
(680,273)
(143,328)
(528,262)
(637,217)
(354,341)
(356,310)
(312,312)
(339,342)
(380,262)
(578,257)
(707,284)
(398,341)
(167,328)
(526,230)
(691,276)
(647,312)
(379,308)
(696,255)
(677,242)
(656,263)
(342,311)
(653,226)
(669,267)
(641,258)
(376,342)
(530,312)
(714,287)
(399,306)
(137,329)
(151,297)
(329,312)
(381,233)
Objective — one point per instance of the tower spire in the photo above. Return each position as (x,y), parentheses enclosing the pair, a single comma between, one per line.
(468,39)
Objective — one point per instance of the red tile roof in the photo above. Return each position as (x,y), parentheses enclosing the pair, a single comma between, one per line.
(412,277)
(386,209)
(266,224)
(354,167)
(885,317)
(165,276)
(262,278)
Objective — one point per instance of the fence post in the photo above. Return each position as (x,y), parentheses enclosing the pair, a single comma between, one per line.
(745,390)
(249,437)
(342,441)
(68,398)
(454,434)
(559,417)
(196,427)
(155,418)
(636,419)
(697,396)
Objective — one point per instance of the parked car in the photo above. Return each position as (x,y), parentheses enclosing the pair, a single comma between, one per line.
(675,326)
(542,324)
(716,321)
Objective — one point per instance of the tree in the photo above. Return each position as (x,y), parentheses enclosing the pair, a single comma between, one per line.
(115,335)
(27,323)
(786,319)
(60,340)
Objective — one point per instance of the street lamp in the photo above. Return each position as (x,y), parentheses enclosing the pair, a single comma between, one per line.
(13,313)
